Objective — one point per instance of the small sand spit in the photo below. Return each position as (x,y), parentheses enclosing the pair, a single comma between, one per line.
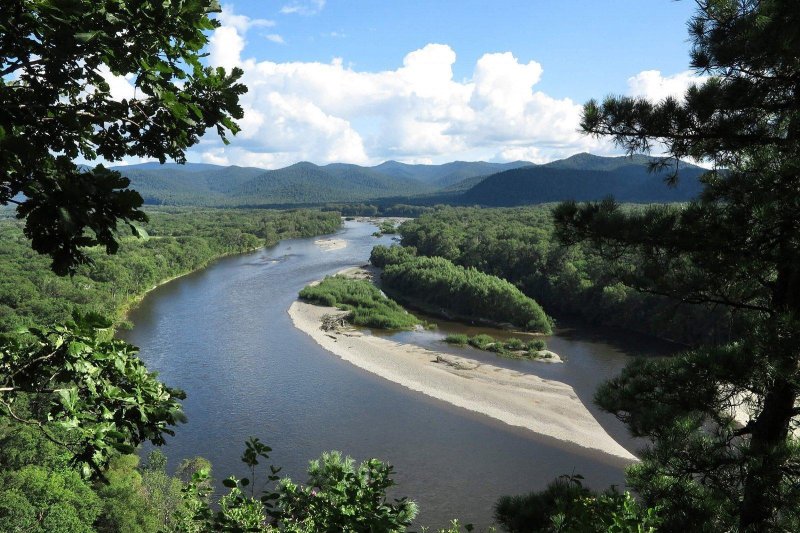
(545,407)
(328,245)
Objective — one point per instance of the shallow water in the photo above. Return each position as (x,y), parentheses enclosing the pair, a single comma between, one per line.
(224,336)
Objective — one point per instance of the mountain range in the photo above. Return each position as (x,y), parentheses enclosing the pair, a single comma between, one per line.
(580,177)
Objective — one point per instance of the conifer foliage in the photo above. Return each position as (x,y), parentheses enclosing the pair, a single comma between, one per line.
(737,246)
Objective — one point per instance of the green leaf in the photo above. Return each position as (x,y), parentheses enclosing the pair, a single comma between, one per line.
(87,36)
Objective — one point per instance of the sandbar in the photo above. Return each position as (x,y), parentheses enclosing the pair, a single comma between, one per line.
(546,407)
(328,245)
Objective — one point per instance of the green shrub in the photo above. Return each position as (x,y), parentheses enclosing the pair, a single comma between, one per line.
(514,344)
(511,348)
(536,345)
(391,255)
(482,341)
(386,227)
(366,304)
(457,338)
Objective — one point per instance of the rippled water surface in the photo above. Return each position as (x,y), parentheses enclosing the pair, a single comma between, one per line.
(224,336)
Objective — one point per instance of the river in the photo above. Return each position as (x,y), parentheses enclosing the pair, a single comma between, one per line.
(224,336)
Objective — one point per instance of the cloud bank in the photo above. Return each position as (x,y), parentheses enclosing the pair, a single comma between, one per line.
(329,112)
(326,112)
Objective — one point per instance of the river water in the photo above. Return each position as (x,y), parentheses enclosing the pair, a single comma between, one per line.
(224,336)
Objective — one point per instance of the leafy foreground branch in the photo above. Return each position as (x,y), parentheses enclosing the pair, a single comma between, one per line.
(339,496)
(97,391)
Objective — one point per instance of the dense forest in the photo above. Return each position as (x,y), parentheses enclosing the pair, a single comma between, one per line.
(455,291)
(40,488)
(519,245)
(174,242)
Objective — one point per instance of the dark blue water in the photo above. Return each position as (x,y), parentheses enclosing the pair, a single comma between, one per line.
(224,336)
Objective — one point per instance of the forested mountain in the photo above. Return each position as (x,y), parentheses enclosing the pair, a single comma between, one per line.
(189,184)
(301,183)
(584,177)
(585,161)
(443,176)
(580,177)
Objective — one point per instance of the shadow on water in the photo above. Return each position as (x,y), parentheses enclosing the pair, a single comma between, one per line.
(224,336)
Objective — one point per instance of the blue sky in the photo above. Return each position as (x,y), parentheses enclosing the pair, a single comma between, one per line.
(440,80)
(587,48)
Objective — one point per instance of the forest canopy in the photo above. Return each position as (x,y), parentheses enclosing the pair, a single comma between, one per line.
(463,293)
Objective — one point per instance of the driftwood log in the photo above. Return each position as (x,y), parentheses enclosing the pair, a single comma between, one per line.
(334,322)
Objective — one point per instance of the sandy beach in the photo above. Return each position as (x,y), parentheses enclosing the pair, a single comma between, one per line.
(328,245)
(549,408)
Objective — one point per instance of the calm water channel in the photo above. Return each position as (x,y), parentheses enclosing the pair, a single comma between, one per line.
(224,336)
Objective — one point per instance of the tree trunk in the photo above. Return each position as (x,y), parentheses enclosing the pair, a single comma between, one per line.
(770,431)
(771,427)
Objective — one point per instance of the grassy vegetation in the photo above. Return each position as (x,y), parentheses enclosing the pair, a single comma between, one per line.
(178,241)
(366,304)
(512,348)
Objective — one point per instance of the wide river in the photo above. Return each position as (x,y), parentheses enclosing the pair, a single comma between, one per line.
(224,336)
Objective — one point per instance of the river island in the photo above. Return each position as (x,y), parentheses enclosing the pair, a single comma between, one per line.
(546,407)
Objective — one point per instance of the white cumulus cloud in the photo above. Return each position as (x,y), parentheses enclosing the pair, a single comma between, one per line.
(227,42)
(329,112)
(654,86)
(241,23)
(120,87)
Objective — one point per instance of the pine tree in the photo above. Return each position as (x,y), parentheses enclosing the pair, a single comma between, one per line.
(738,246)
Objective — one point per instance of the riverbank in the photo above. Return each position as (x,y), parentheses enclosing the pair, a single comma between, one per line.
(265,377)
(546,407)
(122,314)
(121,311)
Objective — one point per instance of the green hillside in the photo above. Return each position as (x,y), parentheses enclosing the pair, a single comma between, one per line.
(626,182)
(580,177)
(190,184)
(443,176)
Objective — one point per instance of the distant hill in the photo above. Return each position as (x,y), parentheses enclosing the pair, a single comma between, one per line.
(301,183)
(309,183)
(584,161)
(189,184)
(443,176)
(580,177)
(584,177)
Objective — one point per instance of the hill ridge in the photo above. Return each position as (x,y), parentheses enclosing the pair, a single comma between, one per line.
(582,175)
